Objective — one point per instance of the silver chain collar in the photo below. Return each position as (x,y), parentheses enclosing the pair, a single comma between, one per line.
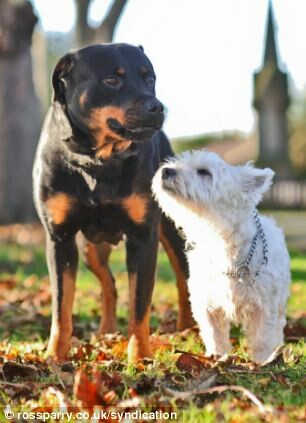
(242,272)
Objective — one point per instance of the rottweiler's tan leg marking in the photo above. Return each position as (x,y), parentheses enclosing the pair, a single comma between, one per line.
(174,247)
(141,264)
(62,258)
(58,207)
(96,257)
(136,207)
(139,330)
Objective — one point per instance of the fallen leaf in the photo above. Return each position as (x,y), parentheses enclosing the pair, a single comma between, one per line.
(295,328)
(189,364)
(264,381)
(119,349)
(160,343)
(11,370)
(205,380)
(110,397)
(82,352)
(282,380)
(101,390)
(102,356)
(85,390)
(7,283)
(144,385)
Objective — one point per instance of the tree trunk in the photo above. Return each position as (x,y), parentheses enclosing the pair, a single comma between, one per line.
(105,32)
(20,117)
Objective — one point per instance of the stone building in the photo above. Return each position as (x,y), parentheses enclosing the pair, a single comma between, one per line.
(271,100)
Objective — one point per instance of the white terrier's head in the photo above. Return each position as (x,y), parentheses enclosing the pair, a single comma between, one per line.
(202,181)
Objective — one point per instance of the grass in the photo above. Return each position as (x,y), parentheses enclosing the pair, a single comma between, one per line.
(24,327)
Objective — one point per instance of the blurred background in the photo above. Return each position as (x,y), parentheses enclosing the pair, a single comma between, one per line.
(231,74)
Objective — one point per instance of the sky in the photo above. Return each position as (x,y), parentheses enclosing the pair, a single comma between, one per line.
(204,53)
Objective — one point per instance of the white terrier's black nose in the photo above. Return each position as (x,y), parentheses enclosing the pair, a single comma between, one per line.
(168,172)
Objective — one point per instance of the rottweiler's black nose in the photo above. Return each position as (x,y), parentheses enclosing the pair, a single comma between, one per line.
(154,106)
(168,172)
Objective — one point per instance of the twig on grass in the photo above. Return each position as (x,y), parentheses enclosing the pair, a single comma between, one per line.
(219,389)
(14,385)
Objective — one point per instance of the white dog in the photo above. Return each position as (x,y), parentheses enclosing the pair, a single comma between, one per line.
(239,263)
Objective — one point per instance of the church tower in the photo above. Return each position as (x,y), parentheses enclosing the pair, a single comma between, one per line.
(271,100)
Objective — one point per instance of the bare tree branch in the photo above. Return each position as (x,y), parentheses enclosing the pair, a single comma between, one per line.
(84,33)
(105,32)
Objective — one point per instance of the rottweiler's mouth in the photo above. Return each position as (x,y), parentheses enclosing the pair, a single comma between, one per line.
(137,133)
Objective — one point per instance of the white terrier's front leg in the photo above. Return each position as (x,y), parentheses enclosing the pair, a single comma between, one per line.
(214,330)
(264,335)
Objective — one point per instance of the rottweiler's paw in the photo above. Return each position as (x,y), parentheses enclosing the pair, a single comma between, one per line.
(138,349)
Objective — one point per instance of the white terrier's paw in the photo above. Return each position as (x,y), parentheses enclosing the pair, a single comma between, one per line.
(265,357)
(218,352)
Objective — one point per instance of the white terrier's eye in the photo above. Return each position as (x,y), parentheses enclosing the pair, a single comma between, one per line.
(203,172)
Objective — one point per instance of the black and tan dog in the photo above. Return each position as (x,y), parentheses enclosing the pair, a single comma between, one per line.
(100,147)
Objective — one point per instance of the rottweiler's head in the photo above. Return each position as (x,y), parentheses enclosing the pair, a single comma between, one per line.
(107,92)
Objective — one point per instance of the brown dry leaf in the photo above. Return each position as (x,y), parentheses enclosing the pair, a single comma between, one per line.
(144,385)
(189,364)
(295,328)
(25,390)
(82,352)
(119,349)
(102,356)
(101,390)
(110,398)
(9,283)
(11,370)
(160,343)
(264,381)
(33,358)
(85,390)
(132,392)
(282,380)
(41,298)
(206,379)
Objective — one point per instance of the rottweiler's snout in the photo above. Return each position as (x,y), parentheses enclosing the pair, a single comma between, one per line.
(154,107)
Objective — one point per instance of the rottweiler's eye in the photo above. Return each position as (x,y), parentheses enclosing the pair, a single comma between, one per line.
(111,81)
(203,172)
(150,80)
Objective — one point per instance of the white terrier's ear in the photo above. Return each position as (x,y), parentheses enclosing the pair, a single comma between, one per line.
(255,182)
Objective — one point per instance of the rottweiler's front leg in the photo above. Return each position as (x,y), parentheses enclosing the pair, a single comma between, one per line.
(141,264)
(175,248)
(62,258)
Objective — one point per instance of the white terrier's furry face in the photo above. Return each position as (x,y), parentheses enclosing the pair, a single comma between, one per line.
(203,180)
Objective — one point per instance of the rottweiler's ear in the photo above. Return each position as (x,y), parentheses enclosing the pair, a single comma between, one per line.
(141,48)
(61,72)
